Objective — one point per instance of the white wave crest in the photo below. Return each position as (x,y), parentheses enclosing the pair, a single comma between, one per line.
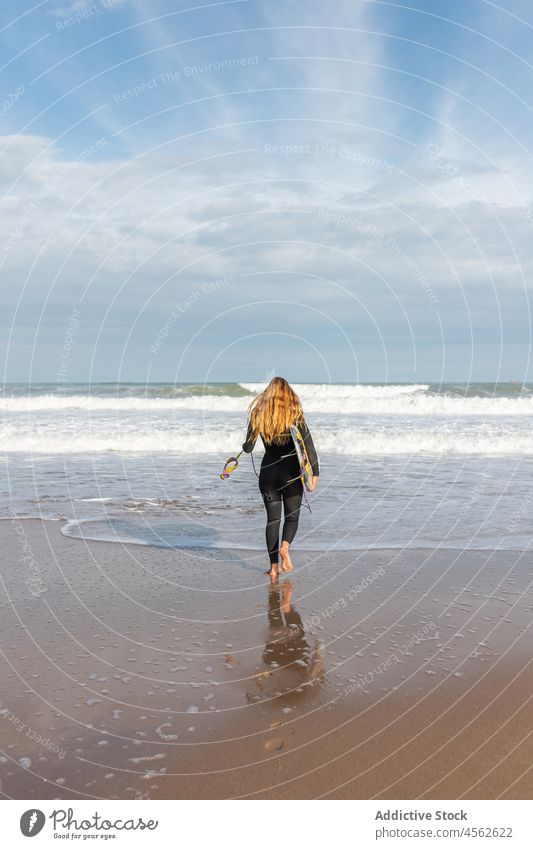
(403,404)
(344,441)
(96,403)
(483,442)
(322,392)
(333,400)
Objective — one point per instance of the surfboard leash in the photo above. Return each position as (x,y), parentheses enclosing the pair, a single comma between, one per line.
(229,466)
(232,462)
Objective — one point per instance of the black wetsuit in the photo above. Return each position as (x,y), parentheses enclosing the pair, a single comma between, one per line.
(280,484)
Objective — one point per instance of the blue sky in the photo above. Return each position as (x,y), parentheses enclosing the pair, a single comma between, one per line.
(220,191)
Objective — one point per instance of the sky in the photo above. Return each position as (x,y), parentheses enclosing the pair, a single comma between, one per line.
(225,191)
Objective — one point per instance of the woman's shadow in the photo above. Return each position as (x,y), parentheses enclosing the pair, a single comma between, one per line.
(294,661)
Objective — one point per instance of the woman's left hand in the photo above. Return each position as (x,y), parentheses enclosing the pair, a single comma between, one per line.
(314,483)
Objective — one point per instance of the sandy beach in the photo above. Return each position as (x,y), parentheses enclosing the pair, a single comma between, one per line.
(135,672)
(267,281)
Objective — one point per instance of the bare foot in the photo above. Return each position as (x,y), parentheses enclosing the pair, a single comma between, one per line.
(286,562)
(274,572)
(286,601)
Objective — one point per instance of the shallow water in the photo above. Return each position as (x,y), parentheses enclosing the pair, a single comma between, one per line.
(401,466)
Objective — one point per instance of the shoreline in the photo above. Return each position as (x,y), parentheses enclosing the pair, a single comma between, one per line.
(166,673)
(258,551)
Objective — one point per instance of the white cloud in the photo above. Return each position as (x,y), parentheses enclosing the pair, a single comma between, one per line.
(121,212)
(313,189)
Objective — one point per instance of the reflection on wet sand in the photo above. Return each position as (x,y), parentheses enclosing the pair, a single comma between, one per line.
(293,659)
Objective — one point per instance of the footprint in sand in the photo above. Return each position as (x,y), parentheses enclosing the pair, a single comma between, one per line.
(275,744)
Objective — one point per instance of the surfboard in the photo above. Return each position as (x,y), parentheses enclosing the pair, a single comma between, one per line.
(301,452)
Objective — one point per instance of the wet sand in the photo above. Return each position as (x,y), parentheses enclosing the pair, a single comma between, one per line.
(136,672)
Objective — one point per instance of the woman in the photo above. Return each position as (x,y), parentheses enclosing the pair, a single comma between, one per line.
(271,415)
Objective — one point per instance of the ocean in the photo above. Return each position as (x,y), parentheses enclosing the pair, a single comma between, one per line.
(402,466)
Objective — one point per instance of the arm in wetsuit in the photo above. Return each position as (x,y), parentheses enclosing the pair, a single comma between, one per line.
(249,443)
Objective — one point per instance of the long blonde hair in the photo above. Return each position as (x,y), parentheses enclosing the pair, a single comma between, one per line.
(274,411)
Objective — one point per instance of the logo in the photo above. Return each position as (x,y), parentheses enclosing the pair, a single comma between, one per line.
(32,822)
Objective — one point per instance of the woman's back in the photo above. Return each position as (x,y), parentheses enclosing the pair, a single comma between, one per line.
(276,452)
(271,416)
